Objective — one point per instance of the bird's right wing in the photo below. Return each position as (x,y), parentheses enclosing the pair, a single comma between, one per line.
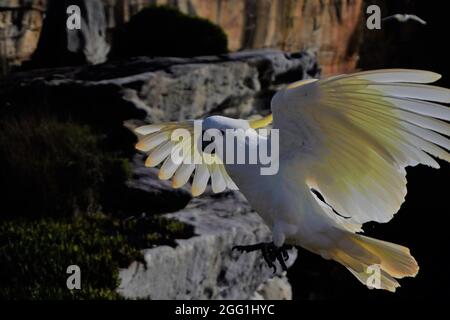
(354,134)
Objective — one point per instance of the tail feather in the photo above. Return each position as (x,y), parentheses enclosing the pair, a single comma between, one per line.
(375,263)
(385,282)
(395,259)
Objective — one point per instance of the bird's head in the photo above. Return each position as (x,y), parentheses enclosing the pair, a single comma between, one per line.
(215,126)
(223,123)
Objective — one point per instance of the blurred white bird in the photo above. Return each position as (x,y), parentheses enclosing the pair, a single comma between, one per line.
(344,143)
(404,18)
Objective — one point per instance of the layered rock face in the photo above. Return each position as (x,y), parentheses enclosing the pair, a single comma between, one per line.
(20,27)
(205,266)
(329,27)
(163,89)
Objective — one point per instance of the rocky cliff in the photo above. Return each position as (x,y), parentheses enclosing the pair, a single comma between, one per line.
(205,266)
(20,27)
(106,96)
(329,27)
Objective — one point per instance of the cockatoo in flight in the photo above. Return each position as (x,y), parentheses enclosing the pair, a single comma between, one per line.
(344,143)
(404,18)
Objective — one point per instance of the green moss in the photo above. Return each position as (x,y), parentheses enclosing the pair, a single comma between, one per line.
(35,254)
(164,31)
(50,167)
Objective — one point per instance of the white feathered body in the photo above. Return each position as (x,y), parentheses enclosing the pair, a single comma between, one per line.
(347,137)
(284,200)
(286,205)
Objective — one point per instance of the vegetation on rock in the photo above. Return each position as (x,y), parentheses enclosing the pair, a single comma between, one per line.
(54,168)
(164,31)
(35,254)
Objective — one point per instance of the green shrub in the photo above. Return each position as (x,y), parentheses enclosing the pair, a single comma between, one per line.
(35,254)
(54,168)
(164,31)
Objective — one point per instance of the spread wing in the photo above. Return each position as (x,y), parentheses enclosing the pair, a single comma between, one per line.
(160,142)
(358,132)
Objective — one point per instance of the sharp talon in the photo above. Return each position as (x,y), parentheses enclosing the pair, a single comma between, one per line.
(285,255)
(270,253)
(281,261)
(265,255)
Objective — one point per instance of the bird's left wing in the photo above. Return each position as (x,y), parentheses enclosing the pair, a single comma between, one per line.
(354,134)
(162,141)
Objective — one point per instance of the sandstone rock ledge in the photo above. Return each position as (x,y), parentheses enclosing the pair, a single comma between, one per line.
(204,266)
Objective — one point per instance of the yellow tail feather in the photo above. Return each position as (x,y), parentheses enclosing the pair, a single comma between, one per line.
(375,262)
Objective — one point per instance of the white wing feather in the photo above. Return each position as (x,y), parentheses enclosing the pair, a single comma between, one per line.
(155,140)
(355,134)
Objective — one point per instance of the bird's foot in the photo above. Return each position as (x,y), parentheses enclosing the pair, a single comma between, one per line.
(270,253)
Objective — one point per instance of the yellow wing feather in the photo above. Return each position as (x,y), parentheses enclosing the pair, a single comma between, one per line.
(156,140)
(360,131)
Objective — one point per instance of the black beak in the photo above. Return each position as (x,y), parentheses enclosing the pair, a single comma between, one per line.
(205,144)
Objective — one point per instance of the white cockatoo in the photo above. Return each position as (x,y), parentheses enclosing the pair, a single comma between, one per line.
(404,18)
(344,143)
